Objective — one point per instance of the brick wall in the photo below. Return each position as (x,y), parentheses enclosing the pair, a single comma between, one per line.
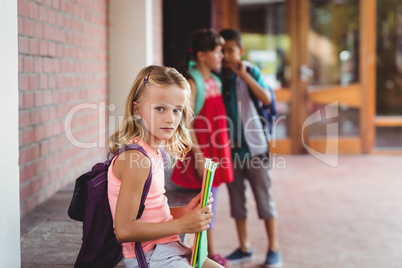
(62,63)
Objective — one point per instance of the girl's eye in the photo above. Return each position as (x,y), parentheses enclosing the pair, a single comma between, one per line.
(160,109)
(176,111)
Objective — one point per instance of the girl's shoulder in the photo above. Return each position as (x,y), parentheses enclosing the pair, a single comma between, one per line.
(132,163)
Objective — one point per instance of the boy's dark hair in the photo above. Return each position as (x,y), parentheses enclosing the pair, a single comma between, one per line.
(232,35)
(203,40)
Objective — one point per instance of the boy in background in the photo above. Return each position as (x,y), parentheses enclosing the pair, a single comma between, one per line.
(250,152)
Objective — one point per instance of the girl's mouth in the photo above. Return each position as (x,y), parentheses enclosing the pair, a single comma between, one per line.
(169,129)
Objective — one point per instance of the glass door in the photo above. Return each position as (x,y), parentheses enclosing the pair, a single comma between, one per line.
(329,83)
(320,57)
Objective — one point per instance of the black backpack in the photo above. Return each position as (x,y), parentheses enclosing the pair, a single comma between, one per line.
(90,204)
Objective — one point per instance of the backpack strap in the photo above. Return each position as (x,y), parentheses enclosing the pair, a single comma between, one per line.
(200,93)
(139,253)
(200,84)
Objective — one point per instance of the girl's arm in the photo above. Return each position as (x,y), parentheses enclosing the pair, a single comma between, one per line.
(133,175)
(259,91)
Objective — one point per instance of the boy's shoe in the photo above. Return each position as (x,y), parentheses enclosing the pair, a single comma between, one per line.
(240,256)
(274,259)
(219,259)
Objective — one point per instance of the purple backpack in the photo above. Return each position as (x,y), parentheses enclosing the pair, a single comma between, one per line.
(90,204)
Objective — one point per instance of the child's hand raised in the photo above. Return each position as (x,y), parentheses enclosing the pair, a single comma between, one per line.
(238,68)
(197,220)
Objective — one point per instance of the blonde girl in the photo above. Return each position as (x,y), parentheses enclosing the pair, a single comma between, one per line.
(157,113)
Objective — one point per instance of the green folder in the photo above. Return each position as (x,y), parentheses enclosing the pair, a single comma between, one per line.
(200,247)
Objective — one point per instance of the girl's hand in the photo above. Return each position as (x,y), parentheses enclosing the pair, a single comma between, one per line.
(197,220)
(195,202)
(210,199)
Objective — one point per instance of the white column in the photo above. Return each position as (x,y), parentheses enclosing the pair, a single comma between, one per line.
(130,48)
(10,252)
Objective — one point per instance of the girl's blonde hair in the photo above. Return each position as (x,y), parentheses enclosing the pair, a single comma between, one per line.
(131,129)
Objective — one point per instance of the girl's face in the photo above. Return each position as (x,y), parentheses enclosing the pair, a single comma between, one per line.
(213,59)
(161,112)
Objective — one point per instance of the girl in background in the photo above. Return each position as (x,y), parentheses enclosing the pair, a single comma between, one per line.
(210,128)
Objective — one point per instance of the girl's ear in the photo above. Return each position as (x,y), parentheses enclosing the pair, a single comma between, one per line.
(200,55)
(136,110)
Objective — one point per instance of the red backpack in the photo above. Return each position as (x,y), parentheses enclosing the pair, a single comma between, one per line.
(90,204)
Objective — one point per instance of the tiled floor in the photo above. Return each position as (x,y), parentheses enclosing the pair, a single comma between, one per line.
(347,216)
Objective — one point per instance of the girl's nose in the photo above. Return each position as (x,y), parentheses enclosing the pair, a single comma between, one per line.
(169,117)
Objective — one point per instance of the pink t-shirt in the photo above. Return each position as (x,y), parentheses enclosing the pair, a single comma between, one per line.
(156,206)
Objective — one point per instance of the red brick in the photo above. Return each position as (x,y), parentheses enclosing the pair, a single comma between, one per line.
(28,100)
(60,50)
(29,135)
(43,13)
(39,132)
(23,9)
(43,47)
(28,28)
(46,178)
(33,46)
(20,63)
(33,10)
(28,154)
(38,98)
(60,19)
(47,65)
(34,116)
(48,2)
(52,81)
(38,65)
(36,185)
(52,49)
(20,25)
(43,81)
(56,4)
(20,100)
(28,66)
(33,82)
(47,98)
(44,115)
(21,137)
(47,31)
(24,119)
(38,28)
(52,17)
(23,82)
(55,64)
(25,191)
(23,45)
